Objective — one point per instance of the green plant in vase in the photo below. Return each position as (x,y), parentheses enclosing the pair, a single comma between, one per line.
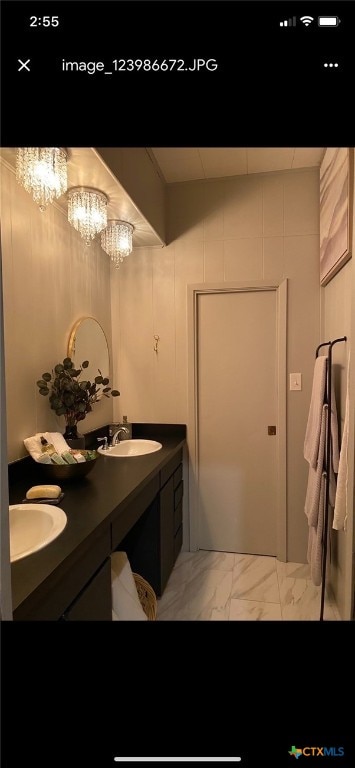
(72,396)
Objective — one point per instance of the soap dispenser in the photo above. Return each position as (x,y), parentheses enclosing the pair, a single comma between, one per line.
(128,426)
(47,447)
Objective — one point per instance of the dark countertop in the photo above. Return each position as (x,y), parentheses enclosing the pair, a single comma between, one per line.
(90,504)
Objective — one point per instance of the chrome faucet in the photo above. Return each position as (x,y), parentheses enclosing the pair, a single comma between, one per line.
(115,436)
(103,440)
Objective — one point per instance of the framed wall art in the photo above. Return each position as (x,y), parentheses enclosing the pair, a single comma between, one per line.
(334,212)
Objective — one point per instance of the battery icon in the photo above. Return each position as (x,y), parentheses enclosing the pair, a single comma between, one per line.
(328,21)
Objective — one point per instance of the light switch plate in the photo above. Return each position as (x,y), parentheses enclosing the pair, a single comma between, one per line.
(296,381)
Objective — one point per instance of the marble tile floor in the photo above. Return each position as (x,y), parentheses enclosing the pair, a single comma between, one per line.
(221,586)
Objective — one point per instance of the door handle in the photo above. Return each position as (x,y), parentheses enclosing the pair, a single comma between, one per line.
(271,430)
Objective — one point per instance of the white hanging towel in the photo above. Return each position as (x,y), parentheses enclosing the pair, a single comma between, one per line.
(126,605)
(341,501)
(315,539)
(311,506)
(311,441)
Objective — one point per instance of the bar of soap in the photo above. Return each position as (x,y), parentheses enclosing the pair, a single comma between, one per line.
(79,458)
(44,458)
(43,492)
(56,459)
(68,457)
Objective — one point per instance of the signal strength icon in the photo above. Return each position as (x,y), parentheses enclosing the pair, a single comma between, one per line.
(306,20)
(288,22)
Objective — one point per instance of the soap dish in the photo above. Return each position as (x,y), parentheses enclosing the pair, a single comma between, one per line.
(44,500)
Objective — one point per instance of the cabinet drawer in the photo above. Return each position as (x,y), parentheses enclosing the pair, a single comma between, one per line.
(177,517)
(178,476)
(178,493)
(170,468)
(177,542)
(166,532)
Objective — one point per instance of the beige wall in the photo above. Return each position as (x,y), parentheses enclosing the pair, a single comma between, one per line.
(242,228)
(50,280)
(338,319)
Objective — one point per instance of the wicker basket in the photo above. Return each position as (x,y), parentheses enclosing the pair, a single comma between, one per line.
(146,596)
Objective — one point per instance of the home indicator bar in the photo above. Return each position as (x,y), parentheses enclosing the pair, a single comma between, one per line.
(177,759)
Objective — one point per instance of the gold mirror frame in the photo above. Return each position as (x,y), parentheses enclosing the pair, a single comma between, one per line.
(95,356)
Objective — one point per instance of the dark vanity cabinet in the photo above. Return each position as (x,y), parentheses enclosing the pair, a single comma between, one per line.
(154,542)
(170,524)
(146,524)
(80,591)
(94,603)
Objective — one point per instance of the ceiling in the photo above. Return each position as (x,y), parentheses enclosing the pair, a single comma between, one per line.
(86,167)
(191,163)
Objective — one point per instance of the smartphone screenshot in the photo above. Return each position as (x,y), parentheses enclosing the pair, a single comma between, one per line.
(177,383)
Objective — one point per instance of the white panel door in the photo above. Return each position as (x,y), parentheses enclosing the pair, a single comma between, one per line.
(237,402)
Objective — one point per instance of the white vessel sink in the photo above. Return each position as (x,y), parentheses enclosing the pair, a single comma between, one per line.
(32,527)
(128,448)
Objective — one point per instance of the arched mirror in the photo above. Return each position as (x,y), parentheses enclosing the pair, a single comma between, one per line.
(88,342)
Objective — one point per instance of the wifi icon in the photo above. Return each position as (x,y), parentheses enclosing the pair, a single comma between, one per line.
(306,20)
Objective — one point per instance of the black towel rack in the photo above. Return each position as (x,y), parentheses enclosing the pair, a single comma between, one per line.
(327,464)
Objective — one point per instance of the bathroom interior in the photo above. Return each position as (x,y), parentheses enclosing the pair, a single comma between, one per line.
(209,329)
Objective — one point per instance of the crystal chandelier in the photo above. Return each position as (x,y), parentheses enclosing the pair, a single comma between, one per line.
(43,173)
(116,240)
(87,211)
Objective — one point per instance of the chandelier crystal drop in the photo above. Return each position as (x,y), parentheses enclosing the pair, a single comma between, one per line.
(42,171)
(116,240)
(87,211)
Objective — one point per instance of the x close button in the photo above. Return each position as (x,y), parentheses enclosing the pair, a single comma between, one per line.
(23,65)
